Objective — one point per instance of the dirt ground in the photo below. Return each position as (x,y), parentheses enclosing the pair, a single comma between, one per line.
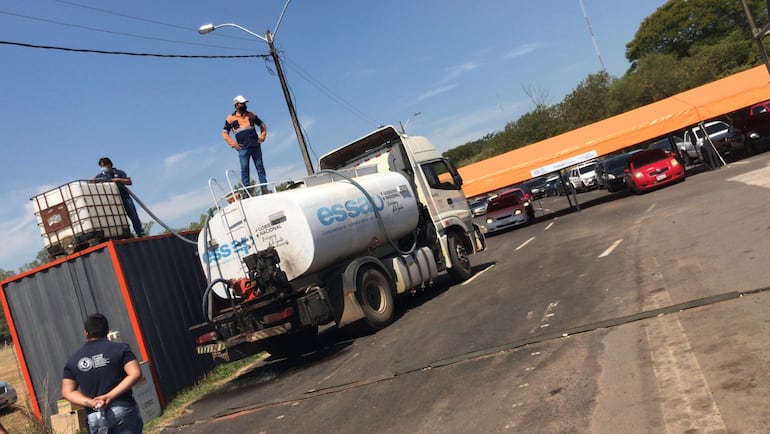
(19,418)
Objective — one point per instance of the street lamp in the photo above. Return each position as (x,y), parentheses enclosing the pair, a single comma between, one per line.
(403,126)
(208,28)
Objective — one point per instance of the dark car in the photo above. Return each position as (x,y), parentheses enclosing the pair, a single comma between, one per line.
(536,187)
(610,172)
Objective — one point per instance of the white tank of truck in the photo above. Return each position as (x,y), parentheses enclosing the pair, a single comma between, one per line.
(310,227)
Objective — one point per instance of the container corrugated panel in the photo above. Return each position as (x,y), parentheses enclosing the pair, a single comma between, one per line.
(166,285)
(150,290)
(47,311)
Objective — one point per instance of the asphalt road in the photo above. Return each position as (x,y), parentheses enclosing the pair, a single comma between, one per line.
(637,314)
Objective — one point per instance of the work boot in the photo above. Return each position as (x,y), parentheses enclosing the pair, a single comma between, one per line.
(265,190)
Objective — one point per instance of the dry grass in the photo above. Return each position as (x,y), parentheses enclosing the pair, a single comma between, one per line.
(19,418)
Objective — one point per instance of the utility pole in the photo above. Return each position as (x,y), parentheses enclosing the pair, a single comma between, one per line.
(289,104)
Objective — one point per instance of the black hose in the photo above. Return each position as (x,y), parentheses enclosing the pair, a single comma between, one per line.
(144,207)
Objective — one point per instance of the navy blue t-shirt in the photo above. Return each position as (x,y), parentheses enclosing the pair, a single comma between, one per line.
(115,173)
(97,367)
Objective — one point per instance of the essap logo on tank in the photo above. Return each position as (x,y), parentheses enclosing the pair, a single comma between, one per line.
(227,251)
(351,209)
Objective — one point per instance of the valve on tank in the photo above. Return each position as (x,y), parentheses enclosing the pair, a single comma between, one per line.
(265,271)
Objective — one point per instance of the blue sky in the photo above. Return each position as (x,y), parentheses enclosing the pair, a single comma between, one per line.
(466,66)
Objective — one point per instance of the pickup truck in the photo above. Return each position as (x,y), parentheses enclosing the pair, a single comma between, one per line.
(726,138)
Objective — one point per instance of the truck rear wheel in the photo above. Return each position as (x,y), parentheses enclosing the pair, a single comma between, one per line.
(461,262)
(375,294)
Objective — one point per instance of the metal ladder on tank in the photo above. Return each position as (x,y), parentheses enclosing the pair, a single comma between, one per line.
(226,221)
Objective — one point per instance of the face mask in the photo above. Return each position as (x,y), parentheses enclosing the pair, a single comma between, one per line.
(104,169)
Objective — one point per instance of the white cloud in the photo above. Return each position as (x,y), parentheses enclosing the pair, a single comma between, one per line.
(433,92)
(174,161)
(456,71)
(522,50)
(456,130)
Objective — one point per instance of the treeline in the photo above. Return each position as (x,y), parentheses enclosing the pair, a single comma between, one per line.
(682,45)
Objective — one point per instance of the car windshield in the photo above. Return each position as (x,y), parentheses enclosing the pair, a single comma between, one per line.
(587,168)
(649,157)
(616,163)
(502,203)
(519,194)
(714,128)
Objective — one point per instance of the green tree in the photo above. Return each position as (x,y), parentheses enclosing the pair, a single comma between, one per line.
(5,334)
(40,259)
(678,26)
(587,103)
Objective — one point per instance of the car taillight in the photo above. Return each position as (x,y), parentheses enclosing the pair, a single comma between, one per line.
(206,338)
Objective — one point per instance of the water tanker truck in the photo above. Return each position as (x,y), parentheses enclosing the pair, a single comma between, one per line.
(383,216)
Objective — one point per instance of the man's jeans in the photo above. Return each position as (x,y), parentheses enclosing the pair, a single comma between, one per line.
(130,208)
(254,154)
(116,419)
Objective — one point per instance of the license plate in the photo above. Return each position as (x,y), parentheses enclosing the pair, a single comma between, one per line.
(660,177)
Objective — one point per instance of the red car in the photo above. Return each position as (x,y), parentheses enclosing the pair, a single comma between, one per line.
(651,169)
(525,199)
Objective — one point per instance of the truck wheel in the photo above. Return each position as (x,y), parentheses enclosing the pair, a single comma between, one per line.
(458,254)
(375,294)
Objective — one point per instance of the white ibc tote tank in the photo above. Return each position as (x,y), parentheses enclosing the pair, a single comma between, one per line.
(313,227)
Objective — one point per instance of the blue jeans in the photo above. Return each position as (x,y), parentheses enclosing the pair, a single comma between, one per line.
(130,208)
(116,419)
(255,154)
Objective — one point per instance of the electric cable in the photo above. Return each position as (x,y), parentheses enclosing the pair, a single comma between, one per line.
(126,53)
(113,32)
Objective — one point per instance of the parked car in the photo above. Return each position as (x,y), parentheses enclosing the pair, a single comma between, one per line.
(725,137)
(685,150)
(652,169)
(504,212)
(8,395)
(583,176)
(755,127)
(610,172)
(536,187)
(762,107)
(479,206)
(525,199)
(554,186)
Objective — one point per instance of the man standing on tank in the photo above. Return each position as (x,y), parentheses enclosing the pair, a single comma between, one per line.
(248,142)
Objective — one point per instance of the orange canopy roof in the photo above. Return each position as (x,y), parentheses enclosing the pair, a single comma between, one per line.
(618,132)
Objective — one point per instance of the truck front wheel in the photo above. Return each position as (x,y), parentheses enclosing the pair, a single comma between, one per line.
(458,254)
(376,297)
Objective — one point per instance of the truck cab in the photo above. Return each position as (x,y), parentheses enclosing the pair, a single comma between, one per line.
(435,179)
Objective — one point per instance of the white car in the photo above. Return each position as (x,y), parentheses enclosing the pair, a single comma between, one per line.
(583,176)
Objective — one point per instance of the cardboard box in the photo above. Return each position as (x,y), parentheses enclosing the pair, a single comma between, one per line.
(69,423)
(64,406)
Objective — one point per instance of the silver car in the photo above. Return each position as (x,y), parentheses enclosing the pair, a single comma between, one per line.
(8,395)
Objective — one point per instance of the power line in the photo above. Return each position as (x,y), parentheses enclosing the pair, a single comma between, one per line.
(126,53)
(131,35)
(329,93)
(146,20)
